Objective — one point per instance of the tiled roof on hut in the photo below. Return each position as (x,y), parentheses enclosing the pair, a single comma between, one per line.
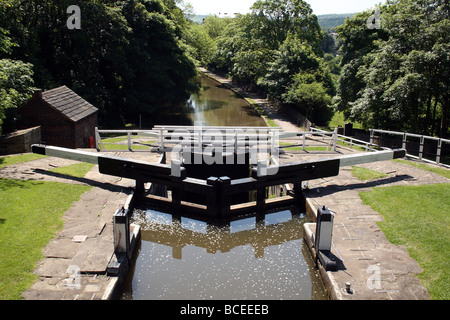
(68,103)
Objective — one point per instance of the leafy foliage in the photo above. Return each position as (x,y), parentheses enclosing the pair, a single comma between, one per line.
(129,57)
(15,89)
(396,77)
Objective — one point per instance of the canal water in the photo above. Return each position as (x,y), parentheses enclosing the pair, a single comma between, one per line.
(247,258)
(216,105)
(264,259)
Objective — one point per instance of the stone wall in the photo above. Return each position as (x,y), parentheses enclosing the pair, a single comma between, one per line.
(20,141)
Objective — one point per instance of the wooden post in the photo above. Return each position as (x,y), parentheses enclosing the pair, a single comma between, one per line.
(298,195)
(177,191)
(304,142)
(176,199)
(139,186)
(335,135)
(161,139)
(438,152)
(421,147)
(129,141)
(261,171)
(261,200)
(96,139)
(225,183)
(121,230)
(211,201)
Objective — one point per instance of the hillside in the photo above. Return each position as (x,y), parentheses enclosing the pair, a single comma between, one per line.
(326,21)
(330,21)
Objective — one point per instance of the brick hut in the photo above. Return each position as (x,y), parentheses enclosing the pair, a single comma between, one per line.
(66,119)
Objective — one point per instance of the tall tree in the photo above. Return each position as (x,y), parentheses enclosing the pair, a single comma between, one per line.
(275,19)
(15,84)
(249,43)
(396,76)
(300,78)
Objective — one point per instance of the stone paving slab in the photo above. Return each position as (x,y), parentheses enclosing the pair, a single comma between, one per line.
(90,257)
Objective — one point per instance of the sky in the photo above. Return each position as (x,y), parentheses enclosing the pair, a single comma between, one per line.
(318,6)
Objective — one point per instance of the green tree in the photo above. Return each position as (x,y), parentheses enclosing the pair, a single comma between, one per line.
(293,57)
(273,20)
(310,97)
(15,89)
(240,52)
(16,84)
(215,26)
(396,77)
(298,77)
(357,41)
(160,71)
(248,44)
(201,46)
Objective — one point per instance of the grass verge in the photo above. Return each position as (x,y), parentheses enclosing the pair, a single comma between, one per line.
(417,218)
(30,215)
(338,120)
(366,174)
(299,148)
(440,171)
(77,170)
(10,160)
(116,143)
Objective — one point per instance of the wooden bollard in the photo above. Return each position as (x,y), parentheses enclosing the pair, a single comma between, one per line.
(121,230)
(177,173)
(225,203)
(211,203)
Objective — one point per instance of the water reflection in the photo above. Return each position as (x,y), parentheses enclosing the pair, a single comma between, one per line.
(249,258)
(216,105)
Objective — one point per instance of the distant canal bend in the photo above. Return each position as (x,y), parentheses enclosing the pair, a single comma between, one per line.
(216,105)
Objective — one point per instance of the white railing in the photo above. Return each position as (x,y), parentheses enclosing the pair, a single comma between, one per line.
(439,142)
(352,142)
(165,137)
(100,145)
(328,138)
